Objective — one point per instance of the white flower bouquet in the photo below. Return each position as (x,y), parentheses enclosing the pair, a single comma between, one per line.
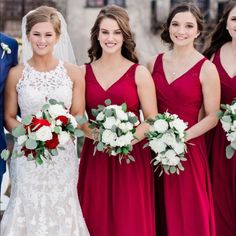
(41,135)
(228,120)
(166,137)
(116,128)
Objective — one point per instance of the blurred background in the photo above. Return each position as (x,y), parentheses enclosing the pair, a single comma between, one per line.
(146,19)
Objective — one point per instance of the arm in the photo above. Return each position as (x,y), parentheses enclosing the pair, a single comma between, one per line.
(211,101)
(10,98)
(146,93)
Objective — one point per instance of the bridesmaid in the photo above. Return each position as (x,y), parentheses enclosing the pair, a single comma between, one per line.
(117,199)
(185,81)
(222,50)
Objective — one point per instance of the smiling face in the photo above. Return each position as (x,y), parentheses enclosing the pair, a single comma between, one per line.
(110,36)
(42,38)
(231,23)
(183,29)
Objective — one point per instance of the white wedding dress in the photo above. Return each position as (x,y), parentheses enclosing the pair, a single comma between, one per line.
(44,200)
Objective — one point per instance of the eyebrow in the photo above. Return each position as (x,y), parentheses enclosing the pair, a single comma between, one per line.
(186,22)
(49,32)
(108,30)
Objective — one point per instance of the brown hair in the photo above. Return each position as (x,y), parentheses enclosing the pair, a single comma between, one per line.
(182,7)
(121,17)
(43,14)
(220,35)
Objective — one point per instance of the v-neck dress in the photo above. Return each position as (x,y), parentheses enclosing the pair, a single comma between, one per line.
(184,204)
(223,170)
(116,199)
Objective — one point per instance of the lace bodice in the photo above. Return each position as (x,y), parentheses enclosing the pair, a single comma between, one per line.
(36,88)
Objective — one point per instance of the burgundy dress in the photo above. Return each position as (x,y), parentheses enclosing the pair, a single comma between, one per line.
(116,199)
(223,170)
(184,203)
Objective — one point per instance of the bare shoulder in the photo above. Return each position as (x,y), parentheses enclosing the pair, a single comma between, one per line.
(142,74)
(208,71)
(15,73)
(73,71)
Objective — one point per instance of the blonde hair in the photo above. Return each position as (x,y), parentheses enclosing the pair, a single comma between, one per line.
(43,14)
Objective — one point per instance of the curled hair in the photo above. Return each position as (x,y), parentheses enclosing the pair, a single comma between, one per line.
(43,14)
(182,7)
(121,17)
(220,35)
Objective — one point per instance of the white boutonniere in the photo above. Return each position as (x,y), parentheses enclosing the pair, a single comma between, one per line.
(5,49)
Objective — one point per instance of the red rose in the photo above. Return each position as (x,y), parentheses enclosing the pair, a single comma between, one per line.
(38,123)
(52,144)
(28,151)
(63,119)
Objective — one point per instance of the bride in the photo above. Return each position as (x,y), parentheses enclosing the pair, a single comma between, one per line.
(44,199)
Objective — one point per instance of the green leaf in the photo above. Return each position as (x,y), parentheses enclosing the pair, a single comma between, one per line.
(226,119)
(108,112)
(27,120)
(39,160)
(100,146)
(124,107)
(125,150)
(30,144)
(61,148)
(229,152)
(54,152)
(81,119)
(172,169)
(18,131)
(108,102)
(5,154)
(133,119)
(45,107)
(53,101)
(79,133)
(57,130)
(94,112)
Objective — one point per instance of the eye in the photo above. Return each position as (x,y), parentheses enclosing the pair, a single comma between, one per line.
(233,18)
(118,32)
(37,34)
(48,35)
(104,32)
(189,26)
(174,24)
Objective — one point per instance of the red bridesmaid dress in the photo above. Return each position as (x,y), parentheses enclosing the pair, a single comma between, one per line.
(184,203)
(223,170)
(116,199)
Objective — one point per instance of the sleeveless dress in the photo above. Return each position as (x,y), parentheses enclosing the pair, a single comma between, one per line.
(44,200)
(223,170)
(116,199)
(184,203)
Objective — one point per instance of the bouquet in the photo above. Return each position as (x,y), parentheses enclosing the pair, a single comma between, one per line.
(228,120)
(166,137)
(116,128)
(40,136)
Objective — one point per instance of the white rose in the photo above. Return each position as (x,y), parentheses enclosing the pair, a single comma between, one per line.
(72,120)
(121,115)
(231,136)
(233,108)
(57,110)
(109,122)
(233,126)
(179,125)
(108,136)
(172,158)
(58,123)
(21,139)
(157,145)
(225,125)
(168,138)
(125,127)
(161,126)
(179,147)
(63,138)
(100,116)
(44,133)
